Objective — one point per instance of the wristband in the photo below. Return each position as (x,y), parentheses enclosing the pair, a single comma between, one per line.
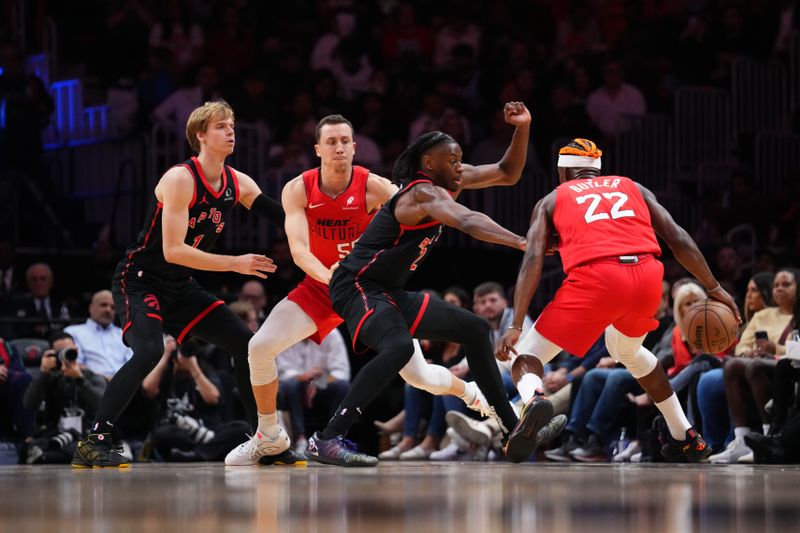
(515,327)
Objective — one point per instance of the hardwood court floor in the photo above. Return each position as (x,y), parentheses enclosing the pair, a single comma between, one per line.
(412,497)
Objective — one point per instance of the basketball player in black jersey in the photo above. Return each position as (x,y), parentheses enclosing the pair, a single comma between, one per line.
(368,291)
(153,286)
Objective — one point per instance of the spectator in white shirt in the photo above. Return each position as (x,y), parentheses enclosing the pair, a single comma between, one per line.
(99,341)
(608,105)
(174,111)
(312,378)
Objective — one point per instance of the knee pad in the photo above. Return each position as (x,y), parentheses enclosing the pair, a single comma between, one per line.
(420,374)
(639,364)
(262,364)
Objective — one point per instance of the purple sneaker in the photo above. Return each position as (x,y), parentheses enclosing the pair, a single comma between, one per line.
(337,451)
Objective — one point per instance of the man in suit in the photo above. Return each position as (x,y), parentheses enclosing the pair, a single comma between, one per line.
(39,303)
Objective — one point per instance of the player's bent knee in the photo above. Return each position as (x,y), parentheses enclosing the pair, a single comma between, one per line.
(262,369)
(640,364)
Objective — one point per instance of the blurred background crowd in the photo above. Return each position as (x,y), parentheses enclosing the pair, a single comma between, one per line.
(697,99)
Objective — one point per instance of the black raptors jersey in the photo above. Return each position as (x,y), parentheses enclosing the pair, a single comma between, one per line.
(389,252)
(207,215)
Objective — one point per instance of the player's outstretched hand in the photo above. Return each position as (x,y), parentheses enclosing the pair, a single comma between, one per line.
(721,295)
(506,344)
(253,265)
(516,114)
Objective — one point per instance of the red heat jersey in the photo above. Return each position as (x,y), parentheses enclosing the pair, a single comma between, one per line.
(335,224)
(602,217)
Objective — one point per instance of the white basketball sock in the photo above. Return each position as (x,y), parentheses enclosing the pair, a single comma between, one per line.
(268,424)
(676,419)
(528,385)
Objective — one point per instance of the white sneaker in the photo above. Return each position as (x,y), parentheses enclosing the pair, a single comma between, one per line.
(747,459)
(480,404)
(259,445)
(417,453)
(472,431)
(625,455)
(453,451)
(735,449)
(448,453)
(392,454)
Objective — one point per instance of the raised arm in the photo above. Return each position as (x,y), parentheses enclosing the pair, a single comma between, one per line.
(252,198)
(435,202)
(174,192)
(530,272)
(508,170)
(685,250)
(294,201)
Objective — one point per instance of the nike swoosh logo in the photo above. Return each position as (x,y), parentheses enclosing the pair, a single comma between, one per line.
(314,206)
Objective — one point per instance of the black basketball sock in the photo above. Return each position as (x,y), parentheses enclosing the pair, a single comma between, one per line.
(341,422)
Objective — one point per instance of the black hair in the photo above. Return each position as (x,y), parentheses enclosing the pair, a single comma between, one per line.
(59,335)
(763,281)
(408,163)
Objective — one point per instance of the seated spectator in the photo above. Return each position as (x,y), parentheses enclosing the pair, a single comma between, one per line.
(610,104)
(312,378)
(252,292)
(187,392)
(748,376)
(179,34)
(67,396)
(99,341)
(457,30)
(39,305)
(711,388)
(16,420)
(493,147)
(246,312)
(174,111)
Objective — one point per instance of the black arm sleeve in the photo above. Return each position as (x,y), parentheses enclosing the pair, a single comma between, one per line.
(268,208)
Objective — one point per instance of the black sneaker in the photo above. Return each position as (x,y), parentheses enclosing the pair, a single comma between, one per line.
(766,450)
(551,430)
(692,449)
(337,451)
(98,451)
(287,458)
(524,437)
(594,451)
(562,453)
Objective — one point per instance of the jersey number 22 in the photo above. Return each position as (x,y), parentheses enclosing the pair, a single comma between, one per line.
(616,210)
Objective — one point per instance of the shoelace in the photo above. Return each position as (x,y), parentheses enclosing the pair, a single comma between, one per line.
(251,446)
(350,445)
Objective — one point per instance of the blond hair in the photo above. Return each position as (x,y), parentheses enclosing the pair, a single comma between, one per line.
(685,291)
(200,117)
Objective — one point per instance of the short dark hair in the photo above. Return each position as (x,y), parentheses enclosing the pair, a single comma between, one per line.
(488,287)
(59,335)
(331,119)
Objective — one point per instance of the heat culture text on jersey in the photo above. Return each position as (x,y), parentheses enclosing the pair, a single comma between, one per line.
(207,217)
(335,224)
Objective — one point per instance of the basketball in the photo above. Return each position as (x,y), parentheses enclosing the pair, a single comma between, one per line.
(710,326)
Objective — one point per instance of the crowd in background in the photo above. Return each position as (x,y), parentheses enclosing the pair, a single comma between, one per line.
(398,69)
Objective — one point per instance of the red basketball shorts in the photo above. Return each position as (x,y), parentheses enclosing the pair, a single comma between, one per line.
(601,293)
(314,299)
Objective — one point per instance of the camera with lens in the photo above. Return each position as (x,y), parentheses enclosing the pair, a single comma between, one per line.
(64,354)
